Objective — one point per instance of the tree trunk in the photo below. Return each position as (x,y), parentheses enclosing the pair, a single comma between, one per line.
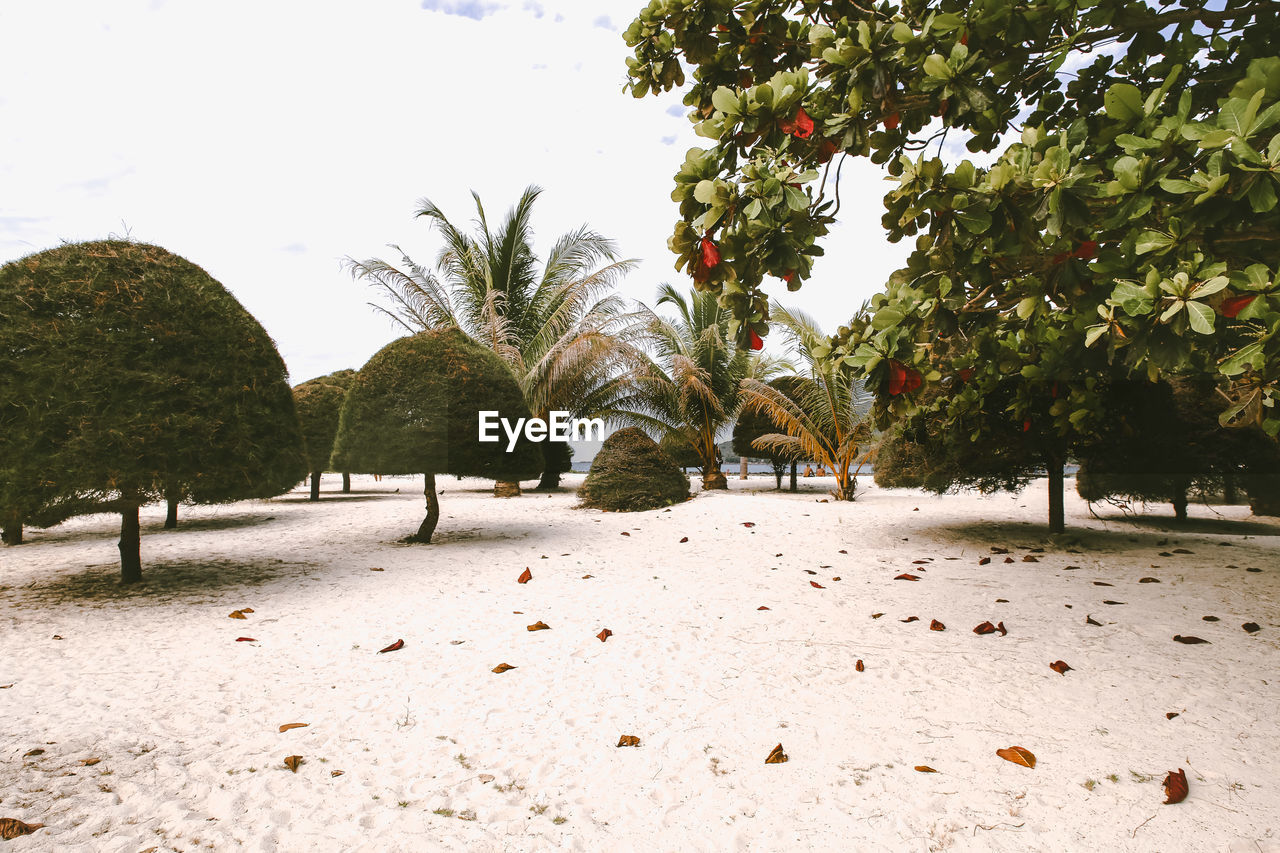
(1180,506)
(550,477)
(130,543)
(315,486)
(714,479)
(742,468)
(428,526)
(778,469)
(346,482)
(506,489)
(171,514)
(1057,516)
(12,528)
(1230,495)
(794,465)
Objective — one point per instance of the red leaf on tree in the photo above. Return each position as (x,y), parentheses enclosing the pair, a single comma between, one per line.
(903,378)
(756,342)
(966,373)
(826,149)
(1026,425)
(789,276)
(525,576)
(1088,249)
(710,254)
(1233,306)
(394,647)
(801,126)
(892,120)
(1175,787)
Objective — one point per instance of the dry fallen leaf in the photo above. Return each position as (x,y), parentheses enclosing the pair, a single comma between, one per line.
(1251,627)
(502,667)
(1060,667)
(246,609)
(748,524)
(1002,629)
(982,561)
(777,756)
(89,762)
(910,619)
(538,626)
(525,576)
(935,625)
(925,768)
(995,549)
(984,628)
(1113,602)
(684,539)
(1182,551)
(396,646)
(1175,787)
(604,635)
(11,828)
(762,607)
(1171,715)
(486,778)
(906,577)
(245,640)
(816,585)
(1102,583)
(237,614)
(7,686)
(1209,619)
(36,751)
(287,726)
(628,740)
(336,773)
(587,577)
(375,570)
(1148,580)
(858,666)
(293,762)
(1190,641)
(1017,755)
(1008,559)
(876,615)
(1030,559)
(1089,620)
(625,533)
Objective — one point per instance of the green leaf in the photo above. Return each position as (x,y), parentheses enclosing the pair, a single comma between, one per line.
(1027,307)
(1242,359)
(705,191)
(935,65)
(1262,195)
(886,317)
(975,220)
(1128,171)
(1092,334)
(902,33)
(1201,316)
(1123,102)
(726,101)
(1210,287)
(1131,298)
(1177,185)
(1153,241)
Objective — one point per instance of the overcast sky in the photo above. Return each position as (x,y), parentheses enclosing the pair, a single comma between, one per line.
(265,141)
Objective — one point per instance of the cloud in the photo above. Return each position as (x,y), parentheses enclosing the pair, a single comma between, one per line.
(19,224)
(677,110)
(473,9)
(669,140)
(534,7)
(98,186)
(294,248)
(603,23)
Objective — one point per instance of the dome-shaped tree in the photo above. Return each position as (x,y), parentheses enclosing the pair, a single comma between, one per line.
(341,379)
(318,406)
(414,409)
(632,473)
(127,372)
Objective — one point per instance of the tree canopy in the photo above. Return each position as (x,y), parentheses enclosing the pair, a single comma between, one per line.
(318,405)
(632,473)
(128,372)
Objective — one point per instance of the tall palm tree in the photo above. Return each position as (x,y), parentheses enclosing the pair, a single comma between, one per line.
(691,390)
(559,326)
(824,415)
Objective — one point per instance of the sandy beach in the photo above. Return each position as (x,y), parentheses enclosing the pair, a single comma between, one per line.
(133,719)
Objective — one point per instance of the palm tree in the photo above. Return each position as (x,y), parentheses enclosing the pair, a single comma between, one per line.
(692,389)
(824,415)
(559,327)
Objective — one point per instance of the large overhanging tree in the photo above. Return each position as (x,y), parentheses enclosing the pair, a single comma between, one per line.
(1125,226)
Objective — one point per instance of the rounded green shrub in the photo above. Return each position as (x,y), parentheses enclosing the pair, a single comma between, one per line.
(319,406)
(631,472)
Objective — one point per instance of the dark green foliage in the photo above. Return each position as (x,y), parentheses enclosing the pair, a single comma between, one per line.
(340,378)
(681,452)
(318,406)
(632,473)
(414,409)
(753,423)
(127,372)
(914,458)
(557,459)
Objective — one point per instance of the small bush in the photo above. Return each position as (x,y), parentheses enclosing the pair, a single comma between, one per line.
(632,473)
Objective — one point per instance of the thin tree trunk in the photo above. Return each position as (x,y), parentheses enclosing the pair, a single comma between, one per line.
(171,514)
(1180,505)
(315,486)
(794,465)
(428,526)
(506,489)
(778,469)
(1229,493)
(1057,515)
(742,468)
(550,477)
(12,532)
(130,543)
(346,482)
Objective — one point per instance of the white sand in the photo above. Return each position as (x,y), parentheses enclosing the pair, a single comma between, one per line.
(185,720)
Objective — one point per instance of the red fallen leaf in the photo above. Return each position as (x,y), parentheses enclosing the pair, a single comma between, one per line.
(538,626)
(394,647)
(293,762)
(1171,715)
(1017,755)
(11,828)
(684,539)
(525,576)
(1233,306)
(983,561)
(502,667)
(1008,559)
(905,576)
(757,343)
(776,756)
(835,579)
(1190,641)
(984,628)
(1087,250)
(604,635)
(876,615)
(237,614)
(858,666)
(935,625)
(245,640)
(625,533)
(841,551)
(892,120)
(288,726)
(920,562)
(903,378)
(762,607)
(628,740)
(1000,627)
(1175,787)
(748,524)
(1148,580)
(924,768)
(910,619)
(1060,667)
(1030,559)
(1251,627)
(816,585)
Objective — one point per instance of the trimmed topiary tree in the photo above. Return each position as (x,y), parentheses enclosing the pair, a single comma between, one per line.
(130,375)
(414,409)
(318,406)
(342,379)
(631,472)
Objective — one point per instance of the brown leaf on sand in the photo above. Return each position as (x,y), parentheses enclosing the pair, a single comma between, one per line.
(925,768)
(11,828)
(996,549)
(762,607)
(37,751)
(1089,620)
(910,619)
(1102,583)
(1002,601)
(502,667)
(1112,602)
(1190,641)
(816,585)
(336,773)
(604,635)
(1209,619)
(376,570)
(1060,667)
(625,533)
(1148,580)
(237,614)
(984,628)
(1028,558)
(587,577)
(538,626)
(394,647)
(776,756)
(1017,755)
(525,576)
(1002,629)
(858,667)
(7,686)
(245,640)
(1008,559)
(89,762)
(628,740)
(920,562)
(287,726)
(876,615)
(906,577)
(748,524)
(1175,787)
(684,539)
(1171,715)
(293,762)
(843,551)
(246,609)
(1250,627)
(935,625)
(982,561)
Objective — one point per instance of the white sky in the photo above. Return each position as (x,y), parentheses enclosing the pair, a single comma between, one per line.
(265,141)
